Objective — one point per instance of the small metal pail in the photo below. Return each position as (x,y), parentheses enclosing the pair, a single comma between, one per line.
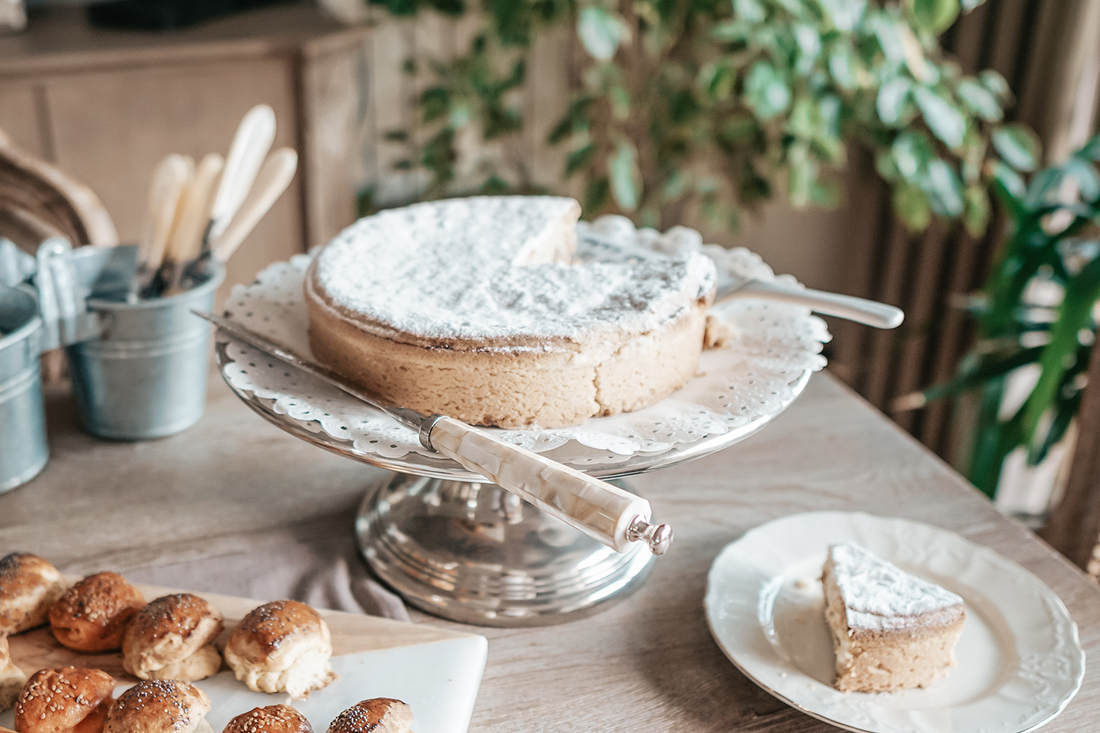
(23,448)
(145,376)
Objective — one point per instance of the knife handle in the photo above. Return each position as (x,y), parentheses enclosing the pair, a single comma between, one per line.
(604,512)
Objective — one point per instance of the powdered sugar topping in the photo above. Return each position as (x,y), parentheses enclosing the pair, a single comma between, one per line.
(498,268)
(880,595)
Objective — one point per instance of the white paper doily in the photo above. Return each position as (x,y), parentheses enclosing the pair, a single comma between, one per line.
(775,346)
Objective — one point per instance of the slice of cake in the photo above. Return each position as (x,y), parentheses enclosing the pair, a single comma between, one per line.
(891,630)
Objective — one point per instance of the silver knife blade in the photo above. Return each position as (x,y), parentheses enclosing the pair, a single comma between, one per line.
(403,415)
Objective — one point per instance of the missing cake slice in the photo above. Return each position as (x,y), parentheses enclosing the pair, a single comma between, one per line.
(891,630)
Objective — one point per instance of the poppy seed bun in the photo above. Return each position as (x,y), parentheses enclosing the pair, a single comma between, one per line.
(12,678)
(282,646)
(160,706)
(29,585)
(93,615)
(271,719)
(173,639)
(69,700)
(379,715)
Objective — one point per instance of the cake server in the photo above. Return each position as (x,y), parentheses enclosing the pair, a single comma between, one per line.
(849,307)
(602,511)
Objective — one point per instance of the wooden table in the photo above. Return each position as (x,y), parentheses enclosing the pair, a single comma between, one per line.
(649,664)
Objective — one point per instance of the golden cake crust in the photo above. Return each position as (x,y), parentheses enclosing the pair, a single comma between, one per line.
(525,340)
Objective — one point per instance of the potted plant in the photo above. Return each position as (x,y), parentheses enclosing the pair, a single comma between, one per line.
(1036,308)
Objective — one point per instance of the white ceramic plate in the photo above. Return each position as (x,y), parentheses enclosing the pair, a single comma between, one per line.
(1019,658)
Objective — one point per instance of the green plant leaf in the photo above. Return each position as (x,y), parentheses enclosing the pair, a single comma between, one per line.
(827,193)
(802,174)
(979,100)
(944,189)
(600,32)
(942,118)
(912,152)
(751,11)
(844,15)
(886,166)
(976,216)
(1088,182)
(626,179)
(809,48)
(1010,181)
(766,91)
(889,38)
(578,159)
(892,103)
(1090,150)
(992,366)
(716,80)
(934,16)
(912,207)
(434,103)
(845,67)
(1018,146)
(1043,189)
(996,84)
(595,196)
(1074,315)
(805,119)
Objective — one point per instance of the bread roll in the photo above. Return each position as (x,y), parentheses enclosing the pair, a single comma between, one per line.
(29,585)
(173,639)
(272,719)
(378,715)
(68,700)
(12,678)
(160,706)
(282,646)
(93,615)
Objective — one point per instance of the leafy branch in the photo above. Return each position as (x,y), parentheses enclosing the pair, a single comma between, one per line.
(712,106)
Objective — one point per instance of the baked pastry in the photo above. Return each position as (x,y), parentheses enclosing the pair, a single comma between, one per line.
(891,630)
(92,615)
(476,308)
(29,585)
(68,700)
(282,646)
(160,706)
(271,719)
(378,715)
(12,678)
(172,638)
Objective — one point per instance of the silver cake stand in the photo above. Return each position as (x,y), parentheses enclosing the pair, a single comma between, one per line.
(458,546)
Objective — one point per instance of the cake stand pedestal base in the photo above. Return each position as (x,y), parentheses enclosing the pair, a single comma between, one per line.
(477,554)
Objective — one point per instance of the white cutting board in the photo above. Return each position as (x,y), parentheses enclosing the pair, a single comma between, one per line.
(436,672)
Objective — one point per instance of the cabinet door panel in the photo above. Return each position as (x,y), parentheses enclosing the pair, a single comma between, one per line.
(111,128)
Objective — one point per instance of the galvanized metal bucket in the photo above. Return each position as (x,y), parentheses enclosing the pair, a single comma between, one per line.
(23,447)
(145,376)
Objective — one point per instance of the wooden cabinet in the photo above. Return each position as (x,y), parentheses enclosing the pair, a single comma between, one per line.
(106,106)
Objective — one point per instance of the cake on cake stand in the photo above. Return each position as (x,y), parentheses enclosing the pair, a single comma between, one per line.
(458,546)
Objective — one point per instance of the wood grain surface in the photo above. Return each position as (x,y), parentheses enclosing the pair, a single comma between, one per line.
(234,485)
(37,649)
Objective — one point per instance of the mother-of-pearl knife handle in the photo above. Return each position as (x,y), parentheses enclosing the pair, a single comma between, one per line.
(605,512)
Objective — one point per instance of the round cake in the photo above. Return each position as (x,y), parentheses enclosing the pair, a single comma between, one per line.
(486,310)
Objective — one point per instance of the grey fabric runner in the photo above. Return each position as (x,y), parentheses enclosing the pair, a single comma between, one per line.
(325,573)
